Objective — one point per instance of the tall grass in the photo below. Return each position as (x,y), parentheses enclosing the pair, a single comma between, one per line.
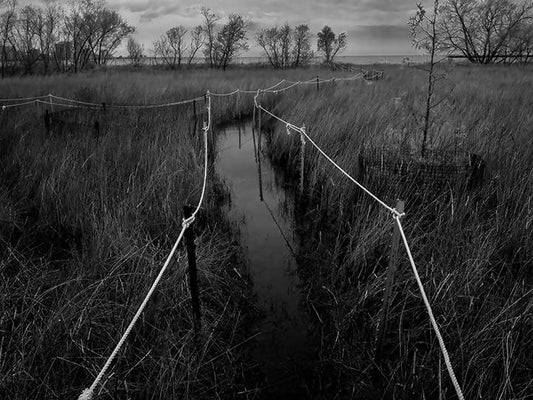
(85,224)
(473,248)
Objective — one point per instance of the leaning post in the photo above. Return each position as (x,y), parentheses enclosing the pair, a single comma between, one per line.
(193,277)
(389,283)
(302,158)
(259,135)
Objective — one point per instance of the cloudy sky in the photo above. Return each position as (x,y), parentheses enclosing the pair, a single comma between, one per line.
(374,27)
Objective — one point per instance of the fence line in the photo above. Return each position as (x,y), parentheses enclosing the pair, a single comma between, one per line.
(272,89)
(397,215)
(87,394)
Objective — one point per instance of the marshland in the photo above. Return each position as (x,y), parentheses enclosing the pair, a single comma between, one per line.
(358,231)
(87,221)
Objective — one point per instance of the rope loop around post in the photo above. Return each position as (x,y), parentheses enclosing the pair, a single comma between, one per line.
(187,222)
(302,134)
(396,214)
(256,97)
(288,127)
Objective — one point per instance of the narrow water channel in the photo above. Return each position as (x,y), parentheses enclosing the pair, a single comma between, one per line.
(282,350)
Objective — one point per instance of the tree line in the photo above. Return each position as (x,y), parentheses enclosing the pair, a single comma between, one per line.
(283,47)
(58,38)
(85,33)
(482,31)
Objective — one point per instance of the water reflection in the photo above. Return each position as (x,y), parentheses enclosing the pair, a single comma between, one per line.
(267,236)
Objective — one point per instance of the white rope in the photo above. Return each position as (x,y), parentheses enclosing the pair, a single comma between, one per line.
(25,98)
(88,393)
(57,104)
(430,313)
(6,106)
(225,94)
(144,106)
(296,128)
(271,89)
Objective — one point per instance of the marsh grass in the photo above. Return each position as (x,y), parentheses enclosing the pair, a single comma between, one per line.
(86,222)
(473,248)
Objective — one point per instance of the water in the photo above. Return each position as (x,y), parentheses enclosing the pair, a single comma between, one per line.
(282,349)
(358,60)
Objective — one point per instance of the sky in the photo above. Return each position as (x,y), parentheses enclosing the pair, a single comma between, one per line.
(374,27)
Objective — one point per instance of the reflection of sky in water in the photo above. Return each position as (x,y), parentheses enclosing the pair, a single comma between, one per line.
(265,230)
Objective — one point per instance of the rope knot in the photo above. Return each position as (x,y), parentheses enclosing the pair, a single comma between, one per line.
(3,107)
(288,127)
(187,222)
(397,214)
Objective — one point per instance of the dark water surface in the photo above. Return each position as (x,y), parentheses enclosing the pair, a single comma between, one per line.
(283,349)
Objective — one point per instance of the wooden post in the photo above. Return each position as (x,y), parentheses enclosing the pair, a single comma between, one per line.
(103,107)
(317,84)
(97,129)
(259,155)
(302,156)
(193,278)
(477,169)
(51,103)
(389,283)
(259,134)
(194,110)
(238,106)
(47,121)
(253,137)
(240,136)
(253,117)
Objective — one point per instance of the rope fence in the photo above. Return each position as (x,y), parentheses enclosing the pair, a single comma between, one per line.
(397,216)
(88,393)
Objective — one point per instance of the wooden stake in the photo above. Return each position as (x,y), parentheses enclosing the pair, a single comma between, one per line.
(193,278)
(259,154)
(391,271)
(317,84)
(253,118)
(302,156)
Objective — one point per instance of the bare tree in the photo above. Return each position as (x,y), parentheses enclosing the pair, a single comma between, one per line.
(7,23)
(46,27)
(135,51)
(229,41)
(209,28)
(276,43)
(425,35)
(483,30)
(171,46)
(25,40)
(302,53)
(330,44)
(80,26)
(111,30)
(197,41)
(520,48)
(285,47)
